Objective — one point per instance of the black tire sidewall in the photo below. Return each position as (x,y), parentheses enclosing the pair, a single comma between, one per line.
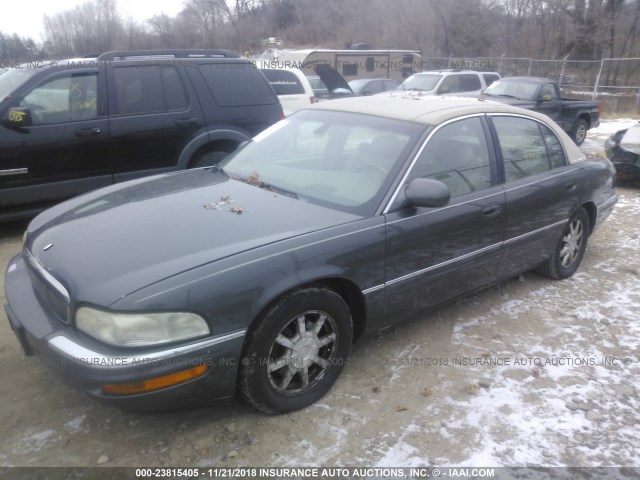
(254,376)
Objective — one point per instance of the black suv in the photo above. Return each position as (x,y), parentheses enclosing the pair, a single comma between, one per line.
(72,126)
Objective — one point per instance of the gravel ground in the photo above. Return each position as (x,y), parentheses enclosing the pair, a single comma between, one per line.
(529,372)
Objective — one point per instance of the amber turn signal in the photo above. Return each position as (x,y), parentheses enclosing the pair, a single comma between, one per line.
(155,383)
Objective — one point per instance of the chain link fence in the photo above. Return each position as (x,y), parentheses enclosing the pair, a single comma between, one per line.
(613,81)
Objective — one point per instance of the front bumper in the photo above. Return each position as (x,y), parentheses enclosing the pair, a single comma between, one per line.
(89,364)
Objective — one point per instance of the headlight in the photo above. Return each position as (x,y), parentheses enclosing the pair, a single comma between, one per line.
(140,329)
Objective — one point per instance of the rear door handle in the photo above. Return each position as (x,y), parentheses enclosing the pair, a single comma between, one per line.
(492,210)
(185,122)
(88,132)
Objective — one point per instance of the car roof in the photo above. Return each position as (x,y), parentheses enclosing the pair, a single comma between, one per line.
(528,79)
(425,109)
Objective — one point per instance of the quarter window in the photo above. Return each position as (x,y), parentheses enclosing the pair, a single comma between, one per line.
(527,147)
(65,99)
(458,156)
(148,89)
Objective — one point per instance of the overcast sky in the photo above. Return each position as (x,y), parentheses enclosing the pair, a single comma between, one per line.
(24,17)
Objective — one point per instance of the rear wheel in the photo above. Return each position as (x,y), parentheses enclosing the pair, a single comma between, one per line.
(579,131)
(296,350)
(570,249)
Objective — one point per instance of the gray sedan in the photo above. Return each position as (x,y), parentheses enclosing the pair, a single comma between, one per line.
(254,277)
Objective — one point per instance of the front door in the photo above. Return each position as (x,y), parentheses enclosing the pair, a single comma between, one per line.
(63,149)
(434,254)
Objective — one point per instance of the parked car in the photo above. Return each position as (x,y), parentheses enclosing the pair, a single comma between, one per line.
(87,123)
(256,275)
(449,82)
(543,95)
(623,149)
(371,86)
(291,86)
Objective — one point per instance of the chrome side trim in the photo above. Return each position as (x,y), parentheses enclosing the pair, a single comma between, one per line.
(373,289)
(533,232)
(495,246)
(33,261)
(84,356)
(13,171)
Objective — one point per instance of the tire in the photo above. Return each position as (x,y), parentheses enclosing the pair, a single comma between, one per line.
(284,345)
(570,248)
(209,159)
(579,131)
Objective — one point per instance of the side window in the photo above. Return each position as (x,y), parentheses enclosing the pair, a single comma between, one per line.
(458,156)
(148,89)
(349,69)
(450,84)
(549,92)
(64,99)
(370,64)
(489,78)
(236,84)
(469,82)
(527,149)
(554,148)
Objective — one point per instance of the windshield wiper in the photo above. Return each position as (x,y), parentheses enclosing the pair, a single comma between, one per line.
(254,179)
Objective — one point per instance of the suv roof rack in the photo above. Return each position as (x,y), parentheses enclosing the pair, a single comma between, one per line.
(178,53)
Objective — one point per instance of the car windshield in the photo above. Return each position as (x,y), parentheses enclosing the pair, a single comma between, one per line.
(521,90)
(12,79)
(422,82)
(358,85)
(339,160)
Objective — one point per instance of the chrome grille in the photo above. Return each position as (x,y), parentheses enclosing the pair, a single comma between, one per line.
(49,291)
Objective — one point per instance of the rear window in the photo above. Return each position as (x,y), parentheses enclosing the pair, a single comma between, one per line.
(236,84)
(284,82)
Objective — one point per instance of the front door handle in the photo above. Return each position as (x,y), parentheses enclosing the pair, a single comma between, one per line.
(492,210)
(570,186)
(88,132)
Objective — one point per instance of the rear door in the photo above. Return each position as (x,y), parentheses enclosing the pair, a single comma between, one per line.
(540,186)
(153,115)
(434,254)
(63,151)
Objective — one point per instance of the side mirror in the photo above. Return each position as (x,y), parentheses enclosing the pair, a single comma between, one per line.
(444,89)
(367,92)
(341,91)
(427,192)
(17,118)
(544,98)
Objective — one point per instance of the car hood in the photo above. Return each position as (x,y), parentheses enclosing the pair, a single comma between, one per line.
(331,78)
(112,242)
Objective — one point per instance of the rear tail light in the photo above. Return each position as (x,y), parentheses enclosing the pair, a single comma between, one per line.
(313,99)
(599,108)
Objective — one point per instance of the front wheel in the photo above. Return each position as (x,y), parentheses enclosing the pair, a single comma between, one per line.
(570,249)
(296,350)
(579,131)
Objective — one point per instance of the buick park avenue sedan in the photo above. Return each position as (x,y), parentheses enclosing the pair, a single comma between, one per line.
(255,276)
